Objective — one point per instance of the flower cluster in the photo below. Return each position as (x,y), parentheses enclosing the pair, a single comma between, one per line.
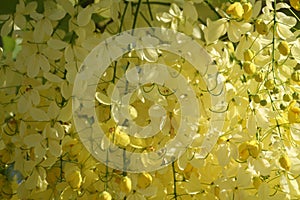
(255,46)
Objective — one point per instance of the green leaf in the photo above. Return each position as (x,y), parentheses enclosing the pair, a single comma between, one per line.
(8,44)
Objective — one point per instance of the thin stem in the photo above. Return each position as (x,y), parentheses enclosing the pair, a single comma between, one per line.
(136,14)
(149,9)
(212,8)
(146,20)
(294,14)
(174,181)
(123,16)
(273,41)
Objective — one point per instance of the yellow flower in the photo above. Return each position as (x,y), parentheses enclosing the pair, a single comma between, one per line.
(285,162)
(247,10)
(249,67)
(296,76)
(295,4)
(53,175)
(256,181)
(293,113)
(243,151)
(284,48)
(261,27)
(125,184)
(121,138)
(251,148)
(235,10)
(144,180)
(254,148)
(259,77)
(248,55)
(105,196)
(73,177)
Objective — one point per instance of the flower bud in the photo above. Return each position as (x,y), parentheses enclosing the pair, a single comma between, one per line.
(256,98)
(5,156)
(105,196)
(259,77)
(247,11)
(295,95)
(269,84)
(285,162)
(254,148)
(144,180)
(235,10)
(74,178)
(296,76)
(284,48)
(125,184)
(230,47)
(53,175)
(121,138)
(287,97)
(248,55)
(293,113)
(243,151)
(261,27)
(256,181)
(295,4)
(263,102)
(249,67)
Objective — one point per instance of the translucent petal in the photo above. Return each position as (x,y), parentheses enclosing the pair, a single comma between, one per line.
(54,148)
(251,124)
(47,26)
(6,28)
(32,180)
(256,8)
(69,53)
(84,16)
(190,11)
(67,6)
(295,131)
(32,66)
(38,114)
(166,18)
(66,112)
(223,154)
(52,77)
(43,63)
(38,33)
(20,21)
(214,30)
(263,191)
(32,140)
(296,50)
(56,14)
(53,110)
(282,5)
(51,53)
(174,10)
(192,186)
(66,90)
(23,104)
(34,97)
(102,98)
(284,32)
(30,7)
(132,75)
(57,44)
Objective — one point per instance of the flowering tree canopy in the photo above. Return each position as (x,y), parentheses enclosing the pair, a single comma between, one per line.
(244,147)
